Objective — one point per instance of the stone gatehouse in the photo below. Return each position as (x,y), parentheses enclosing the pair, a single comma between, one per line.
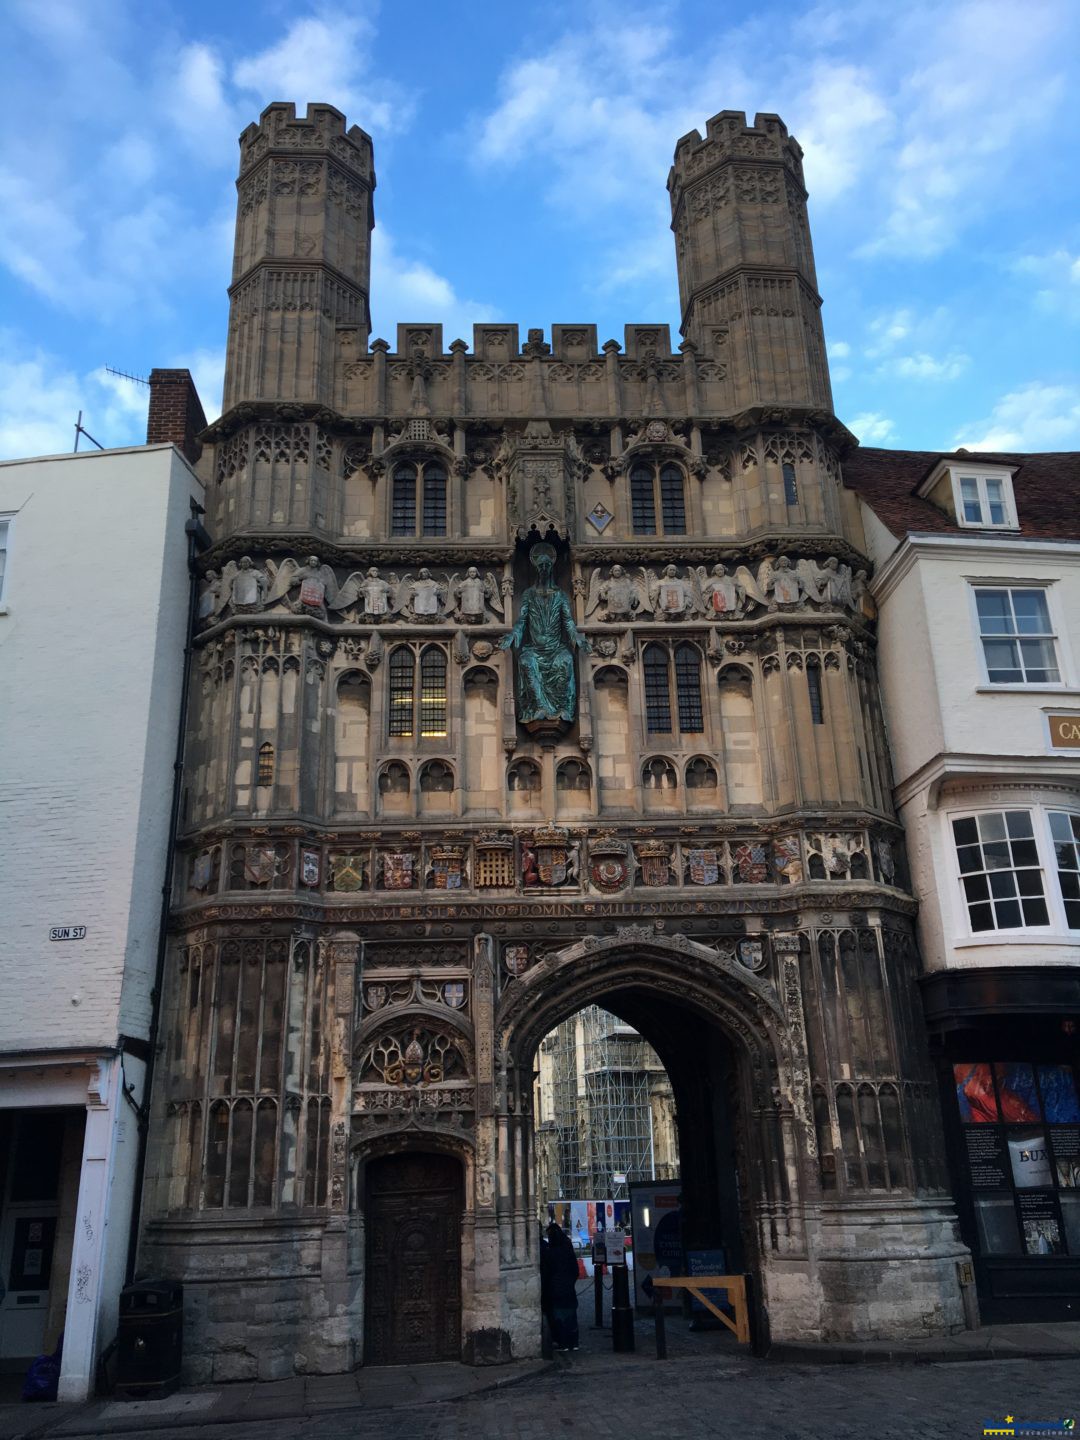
(531,675)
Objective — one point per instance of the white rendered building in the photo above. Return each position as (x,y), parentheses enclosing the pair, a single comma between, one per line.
(977,580)
(93,624)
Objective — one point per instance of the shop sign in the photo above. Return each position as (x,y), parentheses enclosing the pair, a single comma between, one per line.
(1064,731)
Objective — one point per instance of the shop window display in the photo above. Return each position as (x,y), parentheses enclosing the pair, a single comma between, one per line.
(1021,1125)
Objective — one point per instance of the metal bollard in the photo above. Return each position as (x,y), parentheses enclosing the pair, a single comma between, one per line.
(622,1314)
(598,1296)
(658,1317)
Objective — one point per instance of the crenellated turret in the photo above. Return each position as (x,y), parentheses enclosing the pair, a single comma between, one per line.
(746,266)
(302,257)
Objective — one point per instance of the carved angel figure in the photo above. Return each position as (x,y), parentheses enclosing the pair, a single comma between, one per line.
(836,583)
(861,598)
(673,597)
(784,583)
(370,589)
(621,594)
(422,598)
(241,584)
(720,593)
(469,595)
(317,583)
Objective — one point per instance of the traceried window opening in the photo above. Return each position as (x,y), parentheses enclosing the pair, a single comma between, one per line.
(700,775)
(524,776)
(266,764)
(813,687)
(394,779)
(1017,637)
(403,518)
(672,500)
(572,775)
(659,774)
(657,691)
(1000,871)
(432,693)
(642,501)
(437,778)
(434,518)
(688,689)
(1065,834)
(791,487)
(401,691)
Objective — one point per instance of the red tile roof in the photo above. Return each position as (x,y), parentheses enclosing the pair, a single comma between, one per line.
(1046,487)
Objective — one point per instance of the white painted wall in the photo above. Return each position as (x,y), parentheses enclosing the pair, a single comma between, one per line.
(91,646)
(92,631)
(958,743)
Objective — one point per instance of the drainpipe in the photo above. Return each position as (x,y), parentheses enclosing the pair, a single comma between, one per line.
(198,541)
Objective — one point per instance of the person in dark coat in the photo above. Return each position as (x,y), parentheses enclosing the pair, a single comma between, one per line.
(563,1288)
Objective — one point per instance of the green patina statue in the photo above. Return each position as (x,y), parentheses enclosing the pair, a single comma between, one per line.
(545,638)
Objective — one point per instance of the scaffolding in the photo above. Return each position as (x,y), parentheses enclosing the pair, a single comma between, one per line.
(603,1083)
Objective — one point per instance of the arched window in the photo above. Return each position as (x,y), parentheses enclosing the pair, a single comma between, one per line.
(417,703)
(394,779)
(432,692)
(688,689)
(659,774)
(657,690)
(418,489)
(700,774)
(813,687)
(657,490)
(688,703)
(266,764)
(402,666)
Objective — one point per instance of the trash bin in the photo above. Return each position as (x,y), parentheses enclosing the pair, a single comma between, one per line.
(149,1338)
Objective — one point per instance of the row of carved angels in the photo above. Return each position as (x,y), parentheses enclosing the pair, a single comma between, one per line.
(310,587)
(623,593)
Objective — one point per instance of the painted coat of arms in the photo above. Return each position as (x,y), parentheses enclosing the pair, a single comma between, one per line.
(446,869)
(751,954)
(751,864)
(655,863)
(453,993)
(348,872)
(703,867)
(551,864)
(516,959)
(310,868)
(259,865)
(398,871)
(608,872)
(202,870)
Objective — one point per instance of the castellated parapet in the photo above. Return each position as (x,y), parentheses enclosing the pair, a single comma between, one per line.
(302,258)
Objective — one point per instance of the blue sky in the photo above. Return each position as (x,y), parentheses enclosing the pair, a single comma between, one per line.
(522,152)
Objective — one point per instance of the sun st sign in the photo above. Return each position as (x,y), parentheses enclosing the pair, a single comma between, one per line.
(67,932)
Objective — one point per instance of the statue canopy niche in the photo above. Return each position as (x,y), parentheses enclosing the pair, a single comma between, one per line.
(545,638)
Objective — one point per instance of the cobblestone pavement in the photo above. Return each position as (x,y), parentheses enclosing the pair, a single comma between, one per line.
(635,1396)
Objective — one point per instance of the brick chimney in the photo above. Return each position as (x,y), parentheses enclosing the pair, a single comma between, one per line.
(176,413)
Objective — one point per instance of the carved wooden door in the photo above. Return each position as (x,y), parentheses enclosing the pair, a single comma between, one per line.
(413,1277)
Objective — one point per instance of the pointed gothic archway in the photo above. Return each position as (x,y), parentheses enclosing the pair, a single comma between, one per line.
(734,1048)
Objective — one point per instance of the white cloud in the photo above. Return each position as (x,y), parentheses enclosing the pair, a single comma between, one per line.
(1058,277)
(1035,417)
(325,59)
(839,349)
(404,290)
(843,122)
(926,367)
(40,399)
(871,426)
(888,330)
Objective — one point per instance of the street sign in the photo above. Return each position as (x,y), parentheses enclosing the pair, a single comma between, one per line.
(67,932)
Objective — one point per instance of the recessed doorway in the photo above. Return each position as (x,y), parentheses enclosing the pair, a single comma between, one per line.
(413,1213)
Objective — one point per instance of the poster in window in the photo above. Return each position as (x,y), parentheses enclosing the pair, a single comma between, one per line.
(986,1158)
(975,1094)
(1029,1156)
(995,1217)
(1058,1086)
(1040,1225)
(1065,1143)
(1017,1094)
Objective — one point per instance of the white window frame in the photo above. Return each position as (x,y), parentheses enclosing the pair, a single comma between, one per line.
(980,477)
(1056,930)
(7,525)
(1047,587)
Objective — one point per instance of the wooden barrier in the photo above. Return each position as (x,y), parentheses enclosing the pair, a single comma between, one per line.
(735,1285)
